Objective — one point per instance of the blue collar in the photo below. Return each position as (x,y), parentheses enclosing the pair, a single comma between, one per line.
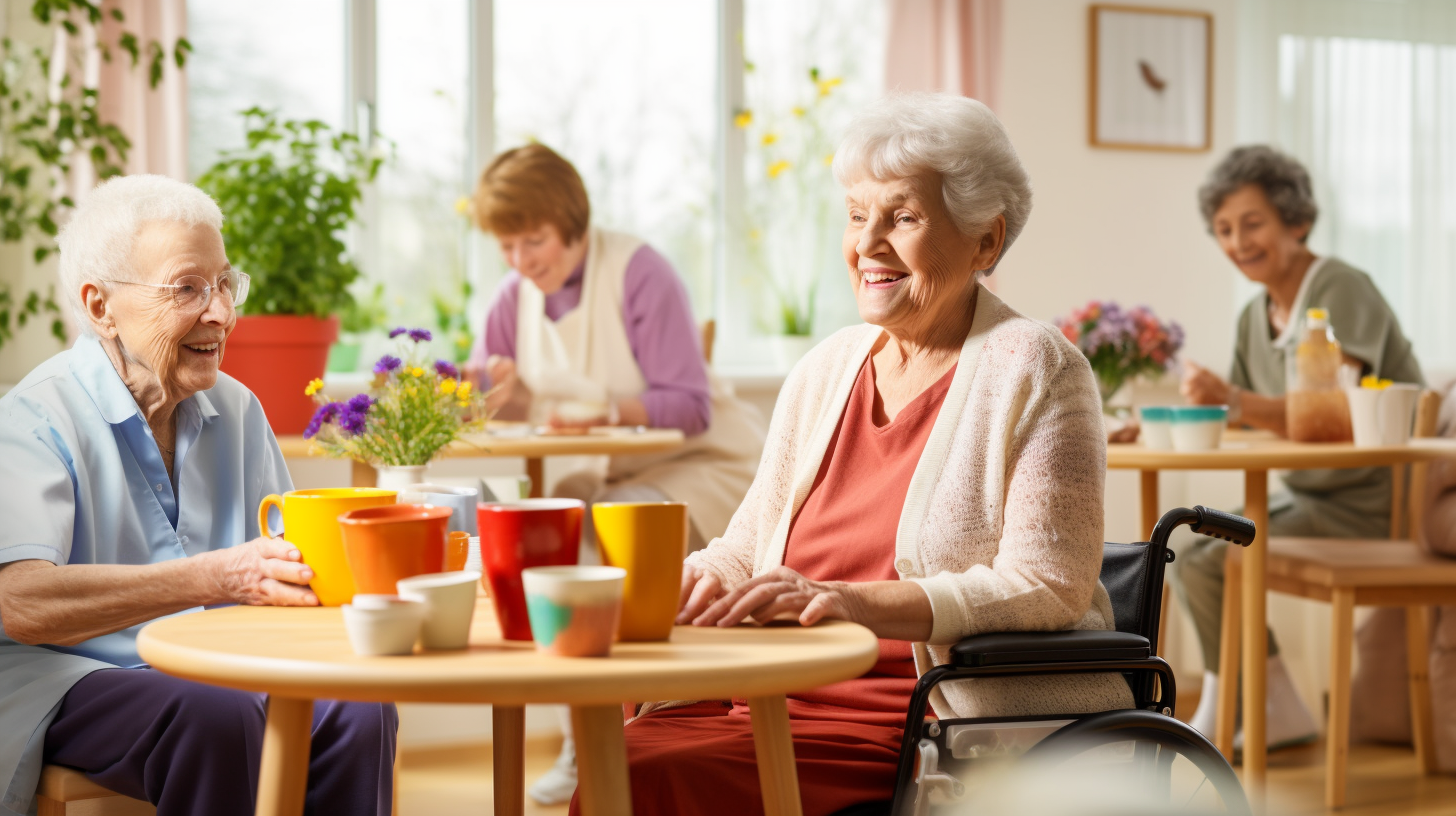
(101,382)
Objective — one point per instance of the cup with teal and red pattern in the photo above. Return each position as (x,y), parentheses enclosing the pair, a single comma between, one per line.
(574,611)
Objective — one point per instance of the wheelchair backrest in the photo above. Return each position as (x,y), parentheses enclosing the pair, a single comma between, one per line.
(1133,575)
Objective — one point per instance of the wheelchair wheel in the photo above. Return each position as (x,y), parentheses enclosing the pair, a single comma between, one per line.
(1171,767)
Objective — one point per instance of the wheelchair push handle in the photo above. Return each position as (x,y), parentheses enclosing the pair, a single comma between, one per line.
(1205,521)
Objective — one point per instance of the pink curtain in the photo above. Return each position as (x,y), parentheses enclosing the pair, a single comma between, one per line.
(945,45)
(154,119)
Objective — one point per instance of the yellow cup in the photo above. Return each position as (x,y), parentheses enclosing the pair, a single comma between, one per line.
(649,540)
(311,523)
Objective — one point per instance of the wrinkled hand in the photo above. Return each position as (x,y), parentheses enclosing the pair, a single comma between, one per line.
(699,589)
(1203,387)
(506,388)
(781,593)
(262,572)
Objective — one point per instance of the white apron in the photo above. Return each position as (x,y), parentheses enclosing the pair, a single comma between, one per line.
(586,356)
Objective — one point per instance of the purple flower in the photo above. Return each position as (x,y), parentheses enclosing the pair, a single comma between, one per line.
(386,364)
(352,422)
(325,413)
(447,369)
(359,403)
(420,335)
(397,332)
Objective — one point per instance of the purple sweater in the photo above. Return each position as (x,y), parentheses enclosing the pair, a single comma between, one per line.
(660,329)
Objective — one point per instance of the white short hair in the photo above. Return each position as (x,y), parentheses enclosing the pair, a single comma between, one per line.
(96,243)
(958,138)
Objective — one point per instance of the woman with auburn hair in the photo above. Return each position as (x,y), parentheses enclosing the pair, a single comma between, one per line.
(593,327)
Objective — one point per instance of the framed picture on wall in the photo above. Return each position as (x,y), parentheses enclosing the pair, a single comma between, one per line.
(1151,78)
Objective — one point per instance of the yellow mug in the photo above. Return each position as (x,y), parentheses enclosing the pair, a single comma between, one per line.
(311,523)
(649,540)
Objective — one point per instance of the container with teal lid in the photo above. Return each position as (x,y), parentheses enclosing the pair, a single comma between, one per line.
(1198,427)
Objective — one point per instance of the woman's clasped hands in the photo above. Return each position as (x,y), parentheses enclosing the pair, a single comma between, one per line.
(779,594)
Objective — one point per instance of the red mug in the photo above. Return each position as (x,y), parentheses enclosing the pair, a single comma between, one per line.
(520,534)
(386,544)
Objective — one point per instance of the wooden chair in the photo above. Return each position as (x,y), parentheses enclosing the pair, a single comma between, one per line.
(1367,572)
(709,332)
(66,792)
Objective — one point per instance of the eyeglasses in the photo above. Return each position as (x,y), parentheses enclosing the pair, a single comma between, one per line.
(193,294)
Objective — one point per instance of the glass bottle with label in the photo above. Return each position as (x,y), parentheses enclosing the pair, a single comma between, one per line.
(1318,410)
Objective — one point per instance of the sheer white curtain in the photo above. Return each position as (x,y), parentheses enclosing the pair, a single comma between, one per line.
(1364,93)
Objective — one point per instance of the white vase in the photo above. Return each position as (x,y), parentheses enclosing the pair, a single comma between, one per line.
(790,348)
(398,477)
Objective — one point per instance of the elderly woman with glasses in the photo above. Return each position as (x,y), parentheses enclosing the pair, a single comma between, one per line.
(933,473)
(133,472)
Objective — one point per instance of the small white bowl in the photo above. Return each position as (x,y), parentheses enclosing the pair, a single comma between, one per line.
(1198,427)
(1157,427)
(384,625)
(449,599)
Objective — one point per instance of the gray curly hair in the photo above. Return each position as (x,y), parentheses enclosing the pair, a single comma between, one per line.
(1284,181)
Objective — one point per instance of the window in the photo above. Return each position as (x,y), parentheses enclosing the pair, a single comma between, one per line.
(641,95)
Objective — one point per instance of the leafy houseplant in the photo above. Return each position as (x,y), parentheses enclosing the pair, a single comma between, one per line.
(289,194)
(1121,344)
(414,409)
(49,122)
(453,322)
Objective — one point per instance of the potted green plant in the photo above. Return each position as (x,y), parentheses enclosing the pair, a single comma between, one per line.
(289,195)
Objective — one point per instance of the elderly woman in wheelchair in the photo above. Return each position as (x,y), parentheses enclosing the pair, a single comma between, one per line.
(934,474)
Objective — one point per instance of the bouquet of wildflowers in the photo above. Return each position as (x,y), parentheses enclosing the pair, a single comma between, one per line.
(1122,344)
(414,409)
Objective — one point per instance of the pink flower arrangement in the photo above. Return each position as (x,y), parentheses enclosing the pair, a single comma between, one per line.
(1121,344)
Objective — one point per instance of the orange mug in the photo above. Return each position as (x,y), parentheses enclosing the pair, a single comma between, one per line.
(457,551)
(386,544)
(311,523)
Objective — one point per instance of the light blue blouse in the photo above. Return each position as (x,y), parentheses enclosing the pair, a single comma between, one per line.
(84,483)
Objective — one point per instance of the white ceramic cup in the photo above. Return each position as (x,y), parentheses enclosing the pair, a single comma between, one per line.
(460,500)
(385,625)
(574,610)
(1198,427)
(1365,416)
(1382,416)
(449,600)
(1157,427)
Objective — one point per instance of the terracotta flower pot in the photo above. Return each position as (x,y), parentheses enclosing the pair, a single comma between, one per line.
(275,356)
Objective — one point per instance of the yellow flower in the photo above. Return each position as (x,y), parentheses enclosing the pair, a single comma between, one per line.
(768,139)
(829,159)
(463,391)
(777,168)
(410,390)
(799,111)
(462,206)
(827,85)
(418,372)
(314,386)
(448,385)
(743,119)
(1376,383)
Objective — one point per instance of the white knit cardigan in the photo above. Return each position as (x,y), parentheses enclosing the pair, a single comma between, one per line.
(1002,524)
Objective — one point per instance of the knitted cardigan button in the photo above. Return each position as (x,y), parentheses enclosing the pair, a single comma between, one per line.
(903,565)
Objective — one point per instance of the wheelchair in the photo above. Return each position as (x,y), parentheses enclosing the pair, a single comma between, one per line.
(1140,748)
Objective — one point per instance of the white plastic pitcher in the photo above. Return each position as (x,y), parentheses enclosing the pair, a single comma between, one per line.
(1384,416)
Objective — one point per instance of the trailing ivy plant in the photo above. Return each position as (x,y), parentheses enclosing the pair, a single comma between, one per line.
(43,133)
(289,195)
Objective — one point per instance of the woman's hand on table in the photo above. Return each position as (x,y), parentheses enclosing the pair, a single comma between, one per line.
(262,572)
(508,395)
(891,609)
(700,589)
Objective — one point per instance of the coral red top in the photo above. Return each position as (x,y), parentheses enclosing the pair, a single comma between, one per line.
(846,529)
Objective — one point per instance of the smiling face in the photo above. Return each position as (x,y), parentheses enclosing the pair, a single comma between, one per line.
(180,349)
(911,268)
(1251,234)
(541,256)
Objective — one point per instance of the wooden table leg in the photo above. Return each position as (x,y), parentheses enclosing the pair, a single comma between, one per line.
(508,755)
(362,474)
(601,756)
(1255,640)
(1337,740)
(774,746)
(1230,630)
(536,472)
(283,774)
(1418,657)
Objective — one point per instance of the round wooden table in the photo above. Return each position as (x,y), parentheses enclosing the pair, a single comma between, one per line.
(1255,453)
(298,655)
(509,439)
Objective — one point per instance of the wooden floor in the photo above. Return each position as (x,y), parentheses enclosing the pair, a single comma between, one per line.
(1383,782)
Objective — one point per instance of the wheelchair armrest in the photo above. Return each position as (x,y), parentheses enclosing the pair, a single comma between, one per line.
(1013,648)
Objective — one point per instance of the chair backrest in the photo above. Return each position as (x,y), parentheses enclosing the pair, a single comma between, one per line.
(1428,410)
(1133,575)
(709,331)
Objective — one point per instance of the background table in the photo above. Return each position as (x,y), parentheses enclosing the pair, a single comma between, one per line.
(1255,453)
(298,655)
(532,447)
